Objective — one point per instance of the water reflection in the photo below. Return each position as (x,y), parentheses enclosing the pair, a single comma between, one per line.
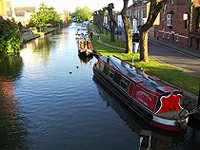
(85,60)
(10,67)
(11,123)
(148,137)
(43,45)
(192,138)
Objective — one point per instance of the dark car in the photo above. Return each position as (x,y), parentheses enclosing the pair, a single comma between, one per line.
(136,37)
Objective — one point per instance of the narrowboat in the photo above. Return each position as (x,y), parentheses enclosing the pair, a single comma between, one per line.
(157,102)
(81,32)
(85,47)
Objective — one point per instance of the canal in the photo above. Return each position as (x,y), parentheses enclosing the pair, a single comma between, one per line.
(49,100)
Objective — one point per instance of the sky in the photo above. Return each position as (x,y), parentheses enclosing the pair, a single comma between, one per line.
(71,5)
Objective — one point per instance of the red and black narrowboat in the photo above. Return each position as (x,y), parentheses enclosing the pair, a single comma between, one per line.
(85,47)
(157,102)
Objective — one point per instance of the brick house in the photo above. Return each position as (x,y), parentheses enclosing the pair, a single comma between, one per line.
(174,25)
(178,24)
(178,21)
(138,14)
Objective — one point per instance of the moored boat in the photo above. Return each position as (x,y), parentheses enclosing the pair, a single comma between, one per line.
(81,33)
(85,47)
(157,102)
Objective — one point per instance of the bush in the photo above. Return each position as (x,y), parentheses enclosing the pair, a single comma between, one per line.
(10,38)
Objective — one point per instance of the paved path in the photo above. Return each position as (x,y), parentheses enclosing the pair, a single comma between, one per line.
(176,56)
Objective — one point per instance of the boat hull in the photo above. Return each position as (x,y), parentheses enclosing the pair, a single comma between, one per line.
(85,52)
(145,114)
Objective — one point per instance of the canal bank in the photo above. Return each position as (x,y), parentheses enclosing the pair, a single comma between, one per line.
(29,35)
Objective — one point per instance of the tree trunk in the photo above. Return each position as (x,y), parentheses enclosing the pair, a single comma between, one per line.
(112,31)
(130,42)
(126,27)
(113,23)
(128,32)
(144,46)
(155,7)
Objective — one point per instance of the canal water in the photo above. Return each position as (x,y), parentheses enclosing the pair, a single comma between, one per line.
(49,100)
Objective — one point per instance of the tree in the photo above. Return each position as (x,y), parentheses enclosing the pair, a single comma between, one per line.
(98,18)
(127,27)
(155,7)
(53,16)
(83,14)
(45,15)
(112,22)
(10,38)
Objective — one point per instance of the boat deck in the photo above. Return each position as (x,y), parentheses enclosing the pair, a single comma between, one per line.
(172,114)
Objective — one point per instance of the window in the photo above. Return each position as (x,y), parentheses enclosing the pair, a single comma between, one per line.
(169,20)
(101,65)
(106,69)
(111,73)
(186,20)
(124,83)
(117,78)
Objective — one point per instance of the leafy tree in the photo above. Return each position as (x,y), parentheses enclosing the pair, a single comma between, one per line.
(83,14)
(10,38)
(38,20)
(45,15)
(53,16)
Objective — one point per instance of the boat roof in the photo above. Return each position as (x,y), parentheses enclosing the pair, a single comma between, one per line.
(139,75)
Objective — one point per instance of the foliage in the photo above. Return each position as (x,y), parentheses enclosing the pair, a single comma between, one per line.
(45,15)
(83,14)
(9,37)
(10,66)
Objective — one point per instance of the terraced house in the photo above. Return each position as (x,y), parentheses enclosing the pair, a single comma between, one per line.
(178,21)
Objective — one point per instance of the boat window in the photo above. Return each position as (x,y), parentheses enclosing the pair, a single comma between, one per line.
(124,83)
(106,69)
(117,77)
(111,73)
(101,65)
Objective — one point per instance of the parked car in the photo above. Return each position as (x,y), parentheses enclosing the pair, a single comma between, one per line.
(135,40)
(136,37)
